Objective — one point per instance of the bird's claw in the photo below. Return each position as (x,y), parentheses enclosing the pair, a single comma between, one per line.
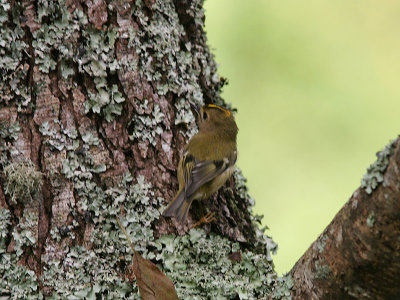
(208,218)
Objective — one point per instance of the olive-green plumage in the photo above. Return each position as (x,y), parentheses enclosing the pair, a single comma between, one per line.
(207,161)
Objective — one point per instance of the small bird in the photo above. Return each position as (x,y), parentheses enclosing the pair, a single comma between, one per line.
(208,159)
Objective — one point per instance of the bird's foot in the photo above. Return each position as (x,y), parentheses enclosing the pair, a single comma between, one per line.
(208,218)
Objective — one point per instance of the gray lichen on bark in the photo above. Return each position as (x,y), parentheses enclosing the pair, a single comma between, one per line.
(95,95)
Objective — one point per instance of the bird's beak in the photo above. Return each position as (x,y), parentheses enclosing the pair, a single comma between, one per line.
(195,110)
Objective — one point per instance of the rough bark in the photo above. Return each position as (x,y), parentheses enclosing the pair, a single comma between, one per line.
(358,254)
(94,110)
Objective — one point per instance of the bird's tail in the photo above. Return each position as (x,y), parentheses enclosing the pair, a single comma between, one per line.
(178,208)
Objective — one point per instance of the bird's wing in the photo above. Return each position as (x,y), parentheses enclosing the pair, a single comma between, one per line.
(198,172)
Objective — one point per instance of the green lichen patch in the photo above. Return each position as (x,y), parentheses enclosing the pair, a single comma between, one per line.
(79,161)
(371,219)
(57,35)
(282,288)
(146,128)
(198,263)
(99,268)
(375,172)
(67,40)
(158,45)
(13,58)
(184,115)
(83,166)
(17,282)
(321,271)
(321,243)
(99,60)
(8,134)
(25,233)
(22,180)
(9,131)
(84,274)
(5,222)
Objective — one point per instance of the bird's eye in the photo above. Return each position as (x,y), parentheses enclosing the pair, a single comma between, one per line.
(205,116)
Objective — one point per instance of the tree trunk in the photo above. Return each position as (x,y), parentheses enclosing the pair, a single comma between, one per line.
(94,111)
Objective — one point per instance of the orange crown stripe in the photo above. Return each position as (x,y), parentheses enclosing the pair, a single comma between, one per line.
(227,112)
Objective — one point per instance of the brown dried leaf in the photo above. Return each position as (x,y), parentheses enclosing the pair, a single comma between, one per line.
(153,284)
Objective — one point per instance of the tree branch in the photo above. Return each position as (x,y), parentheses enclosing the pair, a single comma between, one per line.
(357,256)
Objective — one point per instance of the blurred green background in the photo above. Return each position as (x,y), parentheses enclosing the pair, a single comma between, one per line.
(317,88)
